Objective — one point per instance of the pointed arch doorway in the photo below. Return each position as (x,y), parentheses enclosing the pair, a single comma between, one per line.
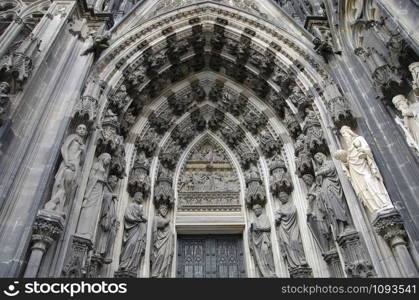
(210,217)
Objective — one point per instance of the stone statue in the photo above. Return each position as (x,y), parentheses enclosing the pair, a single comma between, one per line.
(314,133)
(289,234)
(163,246)
(108,223)
(363,172)
(93,195)
(410,113)
(135,230)
(331,192)
(260,243)
(4,100)
(316,213)
(72,152)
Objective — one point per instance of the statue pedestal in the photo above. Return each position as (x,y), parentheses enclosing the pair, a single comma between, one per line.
(357,264)
(301,272)
(46,229)
(390,226)
(76,265)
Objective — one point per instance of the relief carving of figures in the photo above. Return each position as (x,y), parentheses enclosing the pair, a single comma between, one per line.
(414,70)
(4,101)
(183,136)
(163,192)
(216,120)
(216,92)
(198,120)
(108,223)
(268,144)
(139,180)
(410,123)
(289,234)
(232,136)
(72,152)
(180,103)
(148,143)
(197,39)
(118,161)
(314,133)
(134,240)
(92,200)
(254,121)
(255,192)
(234,104)
(317,218)
(260,243)
(363,172)
(291,123)
(159,123)
(163,244)
(331,192)
(340,111)
(300,100)
(280,179)
(109,140)
(304,164)
(198,92)
(278,103)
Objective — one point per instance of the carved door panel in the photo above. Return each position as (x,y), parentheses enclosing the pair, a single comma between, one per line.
(210,256)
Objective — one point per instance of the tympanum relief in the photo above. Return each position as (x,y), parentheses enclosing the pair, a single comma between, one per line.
(208,180)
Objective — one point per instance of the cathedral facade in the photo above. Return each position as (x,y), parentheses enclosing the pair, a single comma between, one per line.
(209,139)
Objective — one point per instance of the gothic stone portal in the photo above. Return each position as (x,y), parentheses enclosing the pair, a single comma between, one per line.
(210,256)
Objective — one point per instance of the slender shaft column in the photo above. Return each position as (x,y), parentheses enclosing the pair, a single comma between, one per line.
(390,226)
(46,229)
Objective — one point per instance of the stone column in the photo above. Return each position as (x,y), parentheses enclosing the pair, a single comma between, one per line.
(391,227)
(46,229)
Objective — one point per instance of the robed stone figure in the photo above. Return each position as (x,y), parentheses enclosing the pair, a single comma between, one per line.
(108,223)
(72,152)
(93,196)
(135,231)
(289,234)
(260,243)
(331,192)
(363,172)
(317,215)
(410,113)
(163,244)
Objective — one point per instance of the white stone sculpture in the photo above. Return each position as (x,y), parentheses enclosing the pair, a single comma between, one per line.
(410,122)
(65,183)
(414,69)
(363,172)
